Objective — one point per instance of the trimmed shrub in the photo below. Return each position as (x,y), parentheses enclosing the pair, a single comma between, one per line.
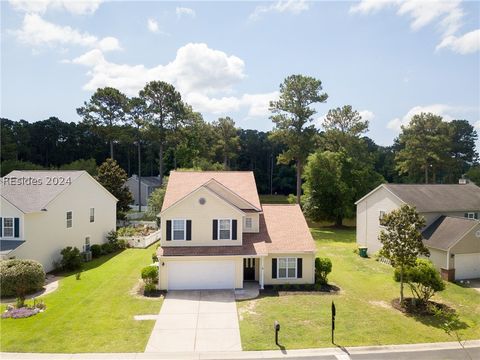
(21,277)
(96,250)
(423,279)
(71,258)
(121,244)
(112,237)
(323,267)
(107,248)
(150,273)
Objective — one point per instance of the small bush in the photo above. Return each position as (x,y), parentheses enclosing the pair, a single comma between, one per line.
(323,267)
(149,289)
(71,258)
(96,250)
(107,248)
(150,274)
(112,237)
(20,277)
(121,244)
(154,258)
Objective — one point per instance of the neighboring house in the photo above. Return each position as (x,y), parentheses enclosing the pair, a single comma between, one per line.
(216,235)
(43,212)
(451,212)
(148,185)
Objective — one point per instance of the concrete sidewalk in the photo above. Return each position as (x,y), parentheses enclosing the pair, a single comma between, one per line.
(413,351)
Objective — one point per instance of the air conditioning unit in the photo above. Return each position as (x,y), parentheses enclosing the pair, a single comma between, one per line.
(87,256)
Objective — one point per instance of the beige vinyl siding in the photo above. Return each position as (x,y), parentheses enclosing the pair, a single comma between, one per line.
(46,233)
(202,217)
(470,243)
(439,259)
(368,223)
(164,261)
(308,266)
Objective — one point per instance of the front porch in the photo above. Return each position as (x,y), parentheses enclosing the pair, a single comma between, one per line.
(253,270)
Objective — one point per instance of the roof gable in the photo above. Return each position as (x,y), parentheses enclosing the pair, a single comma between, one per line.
(446,231)
(181,183)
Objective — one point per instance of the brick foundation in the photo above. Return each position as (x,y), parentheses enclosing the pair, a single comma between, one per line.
(448,274)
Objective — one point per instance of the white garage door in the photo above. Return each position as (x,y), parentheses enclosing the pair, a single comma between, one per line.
(467,266)
(190,275)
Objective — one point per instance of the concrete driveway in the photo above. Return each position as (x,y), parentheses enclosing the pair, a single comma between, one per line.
(203,320)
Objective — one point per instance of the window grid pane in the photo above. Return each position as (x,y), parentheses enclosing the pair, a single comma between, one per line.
(178,230)
(92,214)
(287,268)
(8,227)
(69,219)
(224,226)
(248,223)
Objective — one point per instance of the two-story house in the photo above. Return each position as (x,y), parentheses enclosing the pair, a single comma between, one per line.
(148,184)
(451,212)
(43,212)
(216,235)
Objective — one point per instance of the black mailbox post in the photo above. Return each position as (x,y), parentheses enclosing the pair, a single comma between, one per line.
(334,312)
(276,326)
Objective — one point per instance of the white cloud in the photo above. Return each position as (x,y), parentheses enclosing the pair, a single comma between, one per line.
(445,111)
(477,125)
(447,16)
(152,25)
(38,32)
(367,115)
(205,77)
(77,7)
(465,44)
(281,6)
(185,12)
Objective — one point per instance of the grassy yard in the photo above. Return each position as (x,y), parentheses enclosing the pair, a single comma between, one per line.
(273,199)
(94,314)
(364,314)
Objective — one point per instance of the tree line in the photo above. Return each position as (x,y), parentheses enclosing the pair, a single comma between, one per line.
(157,131)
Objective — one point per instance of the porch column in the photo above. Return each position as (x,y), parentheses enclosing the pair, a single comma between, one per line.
(261,272)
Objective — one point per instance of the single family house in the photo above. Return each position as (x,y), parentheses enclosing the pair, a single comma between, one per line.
(451,212)
(217,235)
(43,212)
(148,184)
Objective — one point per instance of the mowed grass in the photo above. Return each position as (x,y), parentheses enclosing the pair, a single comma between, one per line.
(94,314)
(273,199)
(364,314)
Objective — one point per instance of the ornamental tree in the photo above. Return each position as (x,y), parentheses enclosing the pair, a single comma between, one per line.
(402,240)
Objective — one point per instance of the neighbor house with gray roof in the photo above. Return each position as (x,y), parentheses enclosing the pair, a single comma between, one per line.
(451,212)
(43,212)
(148,184)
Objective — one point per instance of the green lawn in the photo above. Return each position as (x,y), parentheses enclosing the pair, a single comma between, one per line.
(364,315)
(94,314)
(273,199)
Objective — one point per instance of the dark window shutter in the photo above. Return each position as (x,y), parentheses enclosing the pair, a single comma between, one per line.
(274,268)
(299,268)
(17,227)
(466,215)
(189,230)
(234,229)
(169,230)
(1,227)
(476,215)
(215,230)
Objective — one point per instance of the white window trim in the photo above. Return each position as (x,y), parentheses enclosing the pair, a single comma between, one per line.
(184,230)
(218,230)
(66,219)
(246,223)
(470,215)
(278,268)
(13,227)
(90,215)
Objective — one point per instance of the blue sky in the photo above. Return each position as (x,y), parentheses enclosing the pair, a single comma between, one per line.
(388,59)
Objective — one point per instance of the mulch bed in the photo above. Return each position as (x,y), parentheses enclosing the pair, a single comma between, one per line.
(413,306)
(270,290)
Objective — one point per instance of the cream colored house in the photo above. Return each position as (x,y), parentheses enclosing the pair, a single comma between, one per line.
(451,212)
(43,212)
(216,235)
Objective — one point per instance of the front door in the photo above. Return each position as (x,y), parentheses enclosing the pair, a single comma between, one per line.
(249,269)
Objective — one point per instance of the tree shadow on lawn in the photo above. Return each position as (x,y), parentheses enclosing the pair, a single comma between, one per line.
(442,317)
(90,265)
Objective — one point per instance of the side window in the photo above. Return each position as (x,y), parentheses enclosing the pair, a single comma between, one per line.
(69,219)
(92,215)
(248,223)
(8,227)
(178,229)
(224,229)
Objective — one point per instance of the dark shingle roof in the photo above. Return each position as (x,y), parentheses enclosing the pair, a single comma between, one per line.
(446,231)
(438,197)
(33,190)
(151,180)
(7,246)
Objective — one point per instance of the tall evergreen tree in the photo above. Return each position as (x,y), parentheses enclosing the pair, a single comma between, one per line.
(228,142)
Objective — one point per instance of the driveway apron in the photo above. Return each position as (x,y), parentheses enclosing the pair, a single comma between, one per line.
(203,320)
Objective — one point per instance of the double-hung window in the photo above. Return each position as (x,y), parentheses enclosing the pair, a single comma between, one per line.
(471,215)
(178,229)
(287,268)
(92,215)
(7,227)
(225,229)
(69,219)
(248,223)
